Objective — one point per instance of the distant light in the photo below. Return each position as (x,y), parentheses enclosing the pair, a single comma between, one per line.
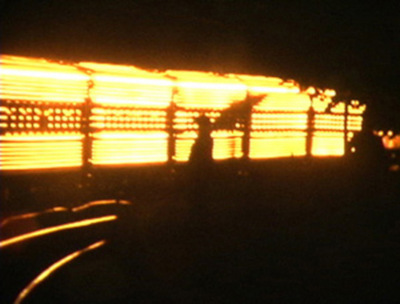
(311,91)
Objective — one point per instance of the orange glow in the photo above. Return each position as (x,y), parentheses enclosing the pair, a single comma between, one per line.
(48,271)
(390,141)
(328,144)
(45,231)
(277,144)
(53,112)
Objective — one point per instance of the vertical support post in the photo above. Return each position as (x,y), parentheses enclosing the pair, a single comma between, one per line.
(246,128)
(310,130)
(86,148)
(345,131)
(171,132)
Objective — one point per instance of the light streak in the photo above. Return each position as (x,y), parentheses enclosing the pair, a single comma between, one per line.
(99,203)
(31,215)
(50,270)
(49,230)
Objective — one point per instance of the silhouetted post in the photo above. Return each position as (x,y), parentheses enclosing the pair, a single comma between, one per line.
(246,127)
(87,148)
(171,133)
(310,130)
(345,131)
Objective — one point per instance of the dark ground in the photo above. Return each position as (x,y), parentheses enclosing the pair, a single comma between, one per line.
(324,231)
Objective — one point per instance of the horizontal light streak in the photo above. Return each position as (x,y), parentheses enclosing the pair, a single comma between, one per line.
(142,126)
(136,135)
(41,137)
(100,203)
(264,146)
(48,271)
(274,90)
(130,148)
(26,152)
(29,215)
(131,79)
(51,75)
(211,85)
(58,228)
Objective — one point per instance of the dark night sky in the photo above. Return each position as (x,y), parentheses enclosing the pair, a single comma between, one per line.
(349,45)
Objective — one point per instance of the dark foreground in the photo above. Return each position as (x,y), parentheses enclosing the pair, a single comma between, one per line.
(277,233)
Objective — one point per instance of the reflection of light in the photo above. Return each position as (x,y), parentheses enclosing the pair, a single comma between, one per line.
(99,203)
(31,215)
(394,168)
(41,232)
(48,271)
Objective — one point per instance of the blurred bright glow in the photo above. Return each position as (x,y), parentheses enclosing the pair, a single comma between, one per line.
(391,142)
(55,114)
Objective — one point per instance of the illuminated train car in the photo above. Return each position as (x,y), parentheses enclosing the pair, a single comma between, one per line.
(59,115)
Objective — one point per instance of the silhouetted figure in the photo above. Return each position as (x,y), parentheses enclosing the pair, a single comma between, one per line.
(201,153)
(201,164)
